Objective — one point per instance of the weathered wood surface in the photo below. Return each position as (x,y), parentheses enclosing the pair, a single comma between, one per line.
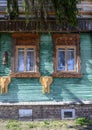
(84,23)
(84,7)
(50,26)
(25,75)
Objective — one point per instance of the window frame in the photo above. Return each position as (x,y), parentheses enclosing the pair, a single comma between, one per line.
(66,40)
(25,54)
(66,57)
(67,110)
(26,40)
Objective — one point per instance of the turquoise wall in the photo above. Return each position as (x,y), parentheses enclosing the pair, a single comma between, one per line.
(46,52)
(5,45)
(62,89)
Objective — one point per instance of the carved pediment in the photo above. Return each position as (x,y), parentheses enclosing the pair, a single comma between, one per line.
(66,39)
(26,38)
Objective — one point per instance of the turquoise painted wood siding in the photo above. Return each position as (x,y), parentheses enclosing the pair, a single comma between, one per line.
(5,45)
(46,52)
(62,89)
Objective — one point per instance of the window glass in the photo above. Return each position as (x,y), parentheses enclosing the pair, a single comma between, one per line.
(61,59)
(70,59)
(68,114)
(20,66)
(30,60)
(25,59)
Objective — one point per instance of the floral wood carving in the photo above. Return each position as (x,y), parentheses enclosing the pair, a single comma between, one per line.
(4,82)
(25,75)
(66,75)
(46,82)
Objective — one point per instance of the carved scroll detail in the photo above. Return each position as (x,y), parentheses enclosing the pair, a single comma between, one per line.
(4,82)
(46,82)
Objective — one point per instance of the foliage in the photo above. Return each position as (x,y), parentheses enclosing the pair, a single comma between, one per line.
(32,125)
(82,121)
(90,122)
(12,9)
(14,125)
(64,9)
(46,124)
(43,125)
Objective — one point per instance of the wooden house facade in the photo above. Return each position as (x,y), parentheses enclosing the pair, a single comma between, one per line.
(46,73)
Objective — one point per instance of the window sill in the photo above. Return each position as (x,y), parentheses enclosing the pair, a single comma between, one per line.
(25,75)
(67,75)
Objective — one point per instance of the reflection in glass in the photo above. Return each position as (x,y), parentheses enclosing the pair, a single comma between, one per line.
(61,59)
(30,60)
(70,59)
(20,66)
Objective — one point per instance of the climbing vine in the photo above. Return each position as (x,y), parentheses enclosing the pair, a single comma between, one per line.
(38,9)
(13,9)
(67,10)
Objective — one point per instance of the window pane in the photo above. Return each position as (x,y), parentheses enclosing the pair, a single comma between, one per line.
(30,60)
(20,66)
(61,59)
(68,114)
(70,59)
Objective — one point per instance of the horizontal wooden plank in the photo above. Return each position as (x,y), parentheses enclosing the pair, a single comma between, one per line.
(50,26)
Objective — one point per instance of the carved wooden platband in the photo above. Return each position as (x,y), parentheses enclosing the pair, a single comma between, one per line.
(24,40)
(67,40)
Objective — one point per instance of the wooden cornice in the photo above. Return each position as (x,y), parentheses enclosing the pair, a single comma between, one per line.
(53,13)
(27,35)
(34,27)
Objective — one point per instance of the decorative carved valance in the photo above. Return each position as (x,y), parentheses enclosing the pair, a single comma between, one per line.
(25,35)
(84,24)
(26,38)
(66,39)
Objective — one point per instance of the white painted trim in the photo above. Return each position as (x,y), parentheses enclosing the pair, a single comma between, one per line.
(68,110)
(46,103)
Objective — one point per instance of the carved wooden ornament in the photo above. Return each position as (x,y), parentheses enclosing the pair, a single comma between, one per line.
(46,82)
(5,58)
(4,82)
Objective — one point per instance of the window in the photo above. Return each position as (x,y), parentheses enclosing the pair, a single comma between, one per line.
(25,55)
(25,59)
(68,113)
(66,55)
(25,113)
(66,58)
